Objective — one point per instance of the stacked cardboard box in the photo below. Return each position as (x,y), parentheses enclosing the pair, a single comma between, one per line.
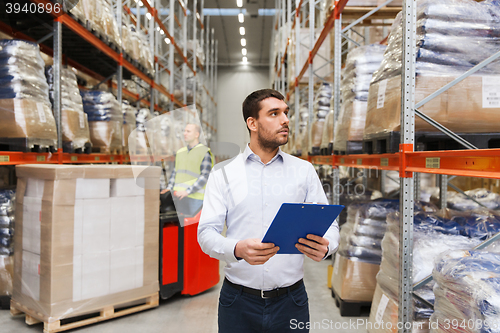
(87,237)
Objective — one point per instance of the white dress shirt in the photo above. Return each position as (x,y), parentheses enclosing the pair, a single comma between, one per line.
(247,196)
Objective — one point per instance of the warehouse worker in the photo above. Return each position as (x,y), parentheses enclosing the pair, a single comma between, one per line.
(192,167)
(262,291)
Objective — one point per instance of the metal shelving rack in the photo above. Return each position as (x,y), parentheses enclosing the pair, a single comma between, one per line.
(481,163)
(103,61)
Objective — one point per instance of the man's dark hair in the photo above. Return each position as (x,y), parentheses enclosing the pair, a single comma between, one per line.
(251,104)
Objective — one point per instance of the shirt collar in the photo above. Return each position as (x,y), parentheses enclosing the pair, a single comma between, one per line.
(249,154)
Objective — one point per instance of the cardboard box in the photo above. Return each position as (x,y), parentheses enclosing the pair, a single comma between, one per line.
(106,134)
(354,280)
(463,108)
(75,127)
(24,118)
(384,315)
(6,274)
(351,124)
(79,271)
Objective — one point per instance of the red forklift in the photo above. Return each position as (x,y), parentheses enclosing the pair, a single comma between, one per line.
(184,267)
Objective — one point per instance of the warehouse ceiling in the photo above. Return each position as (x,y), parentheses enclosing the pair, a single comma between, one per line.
(258,25)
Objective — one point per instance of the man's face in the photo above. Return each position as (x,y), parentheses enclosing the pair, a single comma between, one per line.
(190,133)
(272,125)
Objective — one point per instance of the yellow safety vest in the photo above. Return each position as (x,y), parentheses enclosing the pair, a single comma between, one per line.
(187,169)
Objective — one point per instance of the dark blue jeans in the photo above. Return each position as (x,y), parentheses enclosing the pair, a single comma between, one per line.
(240,312)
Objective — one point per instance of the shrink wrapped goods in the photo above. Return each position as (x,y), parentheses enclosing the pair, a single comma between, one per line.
(434,233)
(460,202)
(74,123)
(105,119)
(321,110)
(129,124)
(452,37)
(25,110)
(360,65)
(87,240)
(7,221)
(467,292)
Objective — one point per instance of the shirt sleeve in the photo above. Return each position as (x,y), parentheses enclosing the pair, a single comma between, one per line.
(315,193)
(205,167)
(212,220)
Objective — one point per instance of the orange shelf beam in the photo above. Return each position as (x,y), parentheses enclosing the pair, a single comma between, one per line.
(481,163)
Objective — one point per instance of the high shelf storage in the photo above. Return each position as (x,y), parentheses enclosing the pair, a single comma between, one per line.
(182,52)
(482,163)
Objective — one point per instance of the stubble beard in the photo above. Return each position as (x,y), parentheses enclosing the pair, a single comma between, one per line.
(267,141)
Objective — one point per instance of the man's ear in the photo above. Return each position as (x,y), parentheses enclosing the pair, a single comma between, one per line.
(252,124)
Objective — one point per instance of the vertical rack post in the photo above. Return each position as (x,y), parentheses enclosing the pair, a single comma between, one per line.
(406,180)
(194,41)
(297,66)
(57,79)
(283,47)
(212,72)
(152,33)
(312,10)
(171,64)
(443,190)
(184,45)
(119,70)
(216,84)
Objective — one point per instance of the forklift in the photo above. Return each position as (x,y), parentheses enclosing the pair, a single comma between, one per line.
(184,267)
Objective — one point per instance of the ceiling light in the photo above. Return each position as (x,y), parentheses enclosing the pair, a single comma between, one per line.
(244,52)
(162,32)
(167,40)
(245,60)
(141,4)
(239,3)
(157,28)
(148,16)
(241,17)
(243,42)
(242,31)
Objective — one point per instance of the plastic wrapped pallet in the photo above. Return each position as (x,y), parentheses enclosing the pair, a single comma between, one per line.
(105,120)
(74,123)
(358,257)
(445,49)
(25,110)
(109,24)
(467,292)
(460,202)
(7,221)
(361,63)
(321,109)
(129,124)
(87,239)
(433,234)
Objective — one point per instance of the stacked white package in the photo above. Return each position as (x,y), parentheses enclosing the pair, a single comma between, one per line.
(32,216)
(108,237)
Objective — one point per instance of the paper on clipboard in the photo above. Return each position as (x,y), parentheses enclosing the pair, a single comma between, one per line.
(297,220)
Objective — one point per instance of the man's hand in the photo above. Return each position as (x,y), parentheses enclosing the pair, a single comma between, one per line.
(254,251)
(181,194)
(164,191)
(315,247)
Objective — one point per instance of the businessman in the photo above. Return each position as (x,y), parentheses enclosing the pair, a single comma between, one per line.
(262,291)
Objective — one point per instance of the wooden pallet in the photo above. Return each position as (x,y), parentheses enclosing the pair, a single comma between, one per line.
(351,308)
(27,145)
(107,150)
(68,147)
(352,147)
(33,317)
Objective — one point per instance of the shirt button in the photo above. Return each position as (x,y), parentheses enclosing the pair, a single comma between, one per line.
(267,204)
(267,270)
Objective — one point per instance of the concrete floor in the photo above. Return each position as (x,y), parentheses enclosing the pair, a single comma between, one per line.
(198,314)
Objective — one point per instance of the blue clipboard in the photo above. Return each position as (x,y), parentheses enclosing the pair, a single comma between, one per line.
(297,220)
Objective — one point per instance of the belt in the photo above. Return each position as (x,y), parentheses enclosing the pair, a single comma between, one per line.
(265,293)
